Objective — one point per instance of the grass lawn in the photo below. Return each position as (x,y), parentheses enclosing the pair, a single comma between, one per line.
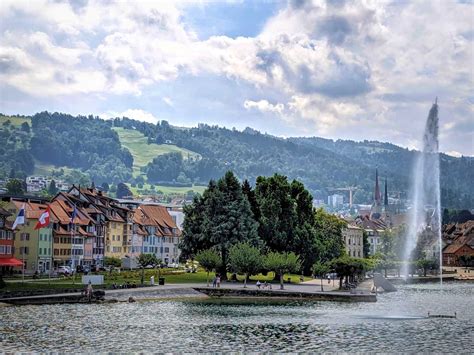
(142,152)
(46,169)
(167,190)
(134,277)
(15,121)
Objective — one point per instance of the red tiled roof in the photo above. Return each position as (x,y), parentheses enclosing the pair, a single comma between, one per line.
(156,216)
(453,248)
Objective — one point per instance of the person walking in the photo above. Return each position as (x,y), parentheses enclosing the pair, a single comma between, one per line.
(218,281)
(89,291)
(214,282)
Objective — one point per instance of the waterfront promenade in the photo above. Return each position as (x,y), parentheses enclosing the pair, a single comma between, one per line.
(305,290)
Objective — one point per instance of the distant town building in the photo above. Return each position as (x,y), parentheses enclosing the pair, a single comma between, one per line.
(335,201)
(7,258)
(374,229)
(353,237)
(318,203)
(38,183)
(459,238)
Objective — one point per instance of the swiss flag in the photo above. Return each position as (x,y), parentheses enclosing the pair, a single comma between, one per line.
(43,220)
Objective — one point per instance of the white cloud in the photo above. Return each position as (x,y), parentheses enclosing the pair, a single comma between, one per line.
(334,66)
(264,106)
(454,153)
(139,115)
(168,101)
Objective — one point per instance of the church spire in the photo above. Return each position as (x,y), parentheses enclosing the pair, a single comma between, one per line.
(377,195)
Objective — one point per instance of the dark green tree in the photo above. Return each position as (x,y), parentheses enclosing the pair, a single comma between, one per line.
(250,193)
(52,189)
(278,212)
(105,187)
(366,244)
(15,187)
(329,242)
(123,191)
(25,127)
(220,218)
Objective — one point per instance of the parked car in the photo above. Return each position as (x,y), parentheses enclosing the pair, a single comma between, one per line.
(64,270)
(173,265)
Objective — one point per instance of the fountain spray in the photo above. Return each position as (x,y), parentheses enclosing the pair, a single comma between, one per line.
(425,214)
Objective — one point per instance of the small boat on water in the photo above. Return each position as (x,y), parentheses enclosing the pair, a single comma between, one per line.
(442,315)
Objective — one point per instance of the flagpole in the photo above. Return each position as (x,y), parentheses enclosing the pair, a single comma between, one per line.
(72,252)
(22,259)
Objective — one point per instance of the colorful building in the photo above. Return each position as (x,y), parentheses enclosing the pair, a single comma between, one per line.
(27,238)
(163,235)
(7,248)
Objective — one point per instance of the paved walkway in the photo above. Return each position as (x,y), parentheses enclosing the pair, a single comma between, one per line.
(187,290)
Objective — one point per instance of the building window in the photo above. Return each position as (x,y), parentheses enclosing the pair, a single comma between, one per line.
(118,238)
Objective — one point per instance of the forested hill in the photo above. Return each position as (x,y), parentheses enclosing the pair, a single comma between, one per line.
(204,152)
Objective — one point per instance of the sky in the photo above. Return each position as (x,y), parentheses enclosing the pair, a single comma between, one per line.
(336,69)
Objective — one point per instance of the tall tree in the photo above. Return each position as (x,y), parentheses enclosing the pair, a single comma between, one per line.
(278,213)
(250,193)
(329,242)
(52,189)
(123,191)
(220,219)
(105,187)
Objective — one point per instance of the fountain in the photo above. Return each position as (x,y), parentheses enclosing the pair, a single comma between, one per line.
(425,213)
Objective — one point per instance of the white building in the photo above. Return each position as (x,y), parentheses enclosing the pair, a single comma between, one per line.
(335,200)
(354,241)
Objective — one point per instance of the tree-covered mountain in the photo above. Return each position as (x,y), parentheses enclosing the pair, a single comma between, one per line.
(93,146)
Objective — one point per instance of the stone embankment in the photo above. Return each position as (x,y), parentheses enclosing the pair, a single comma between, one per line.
(182,291)
(290,294)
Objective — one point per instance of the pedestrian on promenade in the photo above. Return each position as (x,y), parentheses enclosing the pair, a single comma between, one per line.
(218,281)
(214,282)
(258,284)
(89,291)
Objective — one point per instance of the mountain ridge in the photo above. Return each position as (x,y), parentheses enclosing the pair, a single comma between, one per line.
(321,163)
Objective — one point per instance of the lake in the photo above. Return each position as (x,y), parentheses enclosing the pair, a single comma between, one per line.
(397,322)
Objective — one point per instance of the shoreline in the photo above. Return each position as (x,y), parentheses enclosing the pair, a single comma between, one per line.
(183,292)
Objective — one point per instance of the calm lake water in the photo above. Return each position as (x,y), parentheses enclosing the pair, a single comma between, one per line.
(396,323)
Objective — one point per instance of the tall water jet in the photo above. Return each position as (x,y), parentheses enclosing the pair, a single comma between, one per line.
(425,214)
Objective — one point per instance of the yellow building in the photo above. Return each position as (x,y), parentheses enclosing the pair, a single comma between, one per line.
(27,239)
(114,235)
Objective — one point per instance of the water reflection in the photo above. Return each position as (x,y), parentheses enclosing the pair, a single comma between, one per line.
(396,323)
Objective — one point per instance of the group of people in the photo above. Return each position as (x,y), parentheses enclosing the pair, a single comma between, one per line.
(264,285)
(216,281)
(125,285)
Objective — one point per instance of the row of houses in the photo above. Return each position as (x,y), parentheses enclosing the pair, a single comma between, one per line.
(459,244)
(85,227)
(38,183)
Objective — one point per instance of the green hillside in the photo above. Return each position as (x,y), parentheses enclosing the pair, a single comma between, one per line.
(14,120)
(142,152)
(135,152)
